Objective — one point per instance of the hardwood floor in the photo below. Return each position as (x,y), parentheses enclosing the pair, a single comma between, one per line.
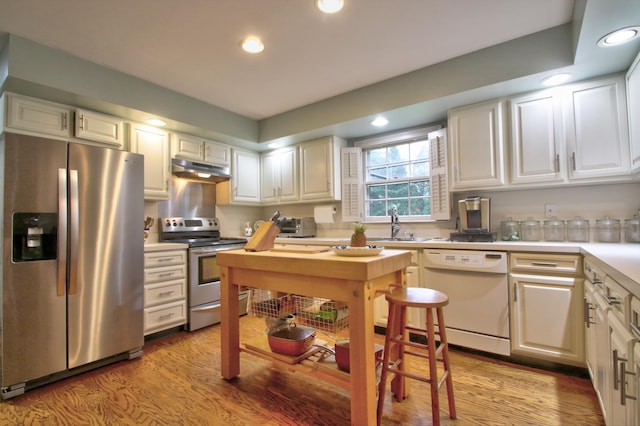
(177,382)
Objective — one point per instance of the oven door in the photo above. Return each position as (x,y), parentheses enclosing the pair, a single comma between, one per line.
(204,274)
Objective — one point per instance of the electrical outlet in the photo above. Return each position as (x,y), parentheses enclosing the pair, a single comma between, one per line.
(549,210)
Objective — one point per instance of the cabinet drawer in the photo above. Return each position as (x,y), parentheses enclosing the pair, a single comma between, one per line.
(565,264)
(165,258)
(165,316)
(167,273)
(618,298)
(170,291)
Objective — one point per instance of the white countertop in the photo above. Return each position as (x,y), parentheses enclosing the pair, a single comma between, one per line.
(620,261)
(149,247)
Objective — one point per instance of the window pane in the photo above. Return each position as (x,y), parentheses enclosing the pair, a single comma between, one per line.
(419,188)
(420,206)
(398,190)
(420,169)
(402,205)
(376,192)
(376,174)
(376,157)
(377,208)
(399,171)
(419,150)
(398,153)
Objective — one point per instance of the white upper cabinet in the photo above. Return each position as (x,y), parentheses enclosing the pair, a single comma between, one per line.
(244,186)
(103,128)
(536,138)
(633,102)
(154,145)
(320,169)
(197,149)
(37,117)
(476,139)
(279,176)
(596,129)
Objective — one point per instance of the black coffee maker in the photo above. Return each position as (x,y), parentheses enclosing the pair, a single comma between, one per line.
(474,220)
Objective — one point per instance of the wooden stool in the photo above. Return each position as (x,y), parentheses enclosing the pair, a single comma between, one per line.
(397,338)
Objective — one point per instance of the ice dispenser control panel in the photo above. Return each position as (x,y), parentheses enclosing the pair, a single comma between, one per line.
(34,236)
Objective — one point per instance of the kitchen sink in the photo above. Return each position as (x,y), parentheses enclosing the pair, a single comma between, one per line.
(391,240)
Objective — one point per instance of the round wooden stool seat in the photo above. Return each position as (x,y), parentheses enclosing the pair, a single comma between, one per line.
(418,297)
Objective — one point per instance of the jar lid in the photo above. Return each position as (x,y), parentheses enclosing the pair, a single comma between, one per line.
(530,222)
(607,221)
(578,221)
(633,221)
(509,221)
(554,221)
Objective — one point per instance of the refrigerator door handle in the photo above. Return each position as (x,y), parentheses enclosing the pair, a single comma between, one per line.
(74,215)
(62,232)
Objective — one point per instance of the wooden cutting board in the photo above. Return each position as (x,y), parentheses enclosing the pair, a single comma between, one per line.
(300,249)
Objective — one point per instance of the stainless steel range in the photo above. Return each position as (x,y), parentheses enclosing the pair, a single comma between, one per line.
(202,234)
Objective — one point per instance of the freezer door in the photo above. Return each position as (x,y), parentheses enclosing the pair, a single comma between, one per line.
(34,322)
(106,207)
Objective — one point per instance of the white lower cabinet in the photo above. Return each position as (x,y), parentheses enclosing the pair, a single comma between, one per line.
(546,305)
(415,317)
(165,290)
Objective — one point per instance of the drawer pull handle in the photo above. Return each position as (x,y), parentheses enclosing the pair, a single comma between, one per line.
(612,300)
(166,316)
(634,329)
(168,274)
(623,383)
(545,264)
(165,259)
(166,293)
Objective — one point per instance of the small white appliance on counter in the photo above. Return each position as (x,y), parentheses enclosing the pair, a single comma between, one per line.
(297,227)
(474,221)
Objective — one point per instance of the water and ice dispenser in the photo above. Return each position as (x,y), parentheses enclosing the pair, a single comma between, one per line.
(35,236)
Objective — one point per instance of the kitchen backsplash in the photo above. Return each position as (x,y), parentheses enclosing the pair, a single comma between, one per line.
(620,201)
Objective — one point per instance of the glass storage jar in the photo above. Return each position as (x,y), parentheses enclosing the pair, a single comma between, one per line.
(554,229)
(632,230)
(578,230)
(510,230)
(530,229)
(608,230)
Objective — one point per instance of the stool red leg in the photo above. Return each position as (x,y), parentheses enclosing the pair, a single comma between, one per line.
(431,347)
(445,361)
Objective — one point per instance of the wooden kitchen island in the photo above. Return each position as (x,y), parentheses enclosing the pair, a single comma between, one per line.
(354,280)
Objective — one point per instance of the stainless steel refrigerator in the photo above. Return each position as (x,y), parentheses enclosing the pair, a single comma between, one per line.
(72,259)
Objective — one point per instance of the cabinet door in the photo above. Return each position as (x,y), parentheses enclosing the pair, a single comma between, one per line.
(476,140)
(590,332)
(29,115)
(415,317)
(547,317)
(597,132)
(154,145)
(98,127)
(536,132)
(217,153)
(288,174)
(268,184)
(187,147)
(633,109)
(622,407)
(316,174)
(245,183)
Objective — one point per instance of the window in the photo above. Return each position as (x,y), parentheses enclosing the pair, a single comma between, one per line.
(407,170)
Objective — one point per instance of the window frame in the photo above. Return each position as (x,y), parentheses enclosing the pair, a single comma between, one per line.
(388,139)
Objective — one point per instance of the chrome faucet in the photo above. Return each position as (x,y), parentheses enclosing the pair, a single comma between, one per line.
(395,224)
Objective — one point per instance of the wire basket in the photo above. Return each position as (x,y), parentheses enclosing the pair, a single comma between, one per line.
(265,303)
(322,314)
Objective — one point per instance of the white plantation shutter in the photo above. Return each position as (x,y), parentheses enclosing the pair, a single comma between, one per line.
(440,198)
(352,182)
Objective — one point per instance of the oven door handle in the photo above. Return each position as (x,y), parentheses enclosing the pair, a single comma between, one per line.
(209,250)
(207,307)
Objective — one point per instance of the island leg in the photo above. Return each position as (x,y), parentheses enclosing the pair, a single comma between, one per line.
(230,325)
(362,357)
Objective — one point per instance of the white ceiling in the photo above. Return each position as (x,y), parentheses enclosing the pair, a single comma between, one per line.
(192,47)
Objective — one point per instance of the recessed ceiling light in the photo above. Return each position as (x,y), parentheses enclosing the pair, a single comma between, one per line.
(156,122)
(380,121)
(620,36)
(252,45)
(330,6)
(554,80)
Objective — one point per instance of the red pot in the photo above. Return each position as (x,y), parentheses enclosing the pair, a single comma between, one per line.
(342,354)
(292,341)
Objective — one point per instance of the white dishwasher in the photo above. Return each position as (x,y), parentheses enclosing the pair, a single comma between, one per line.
(476,282)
